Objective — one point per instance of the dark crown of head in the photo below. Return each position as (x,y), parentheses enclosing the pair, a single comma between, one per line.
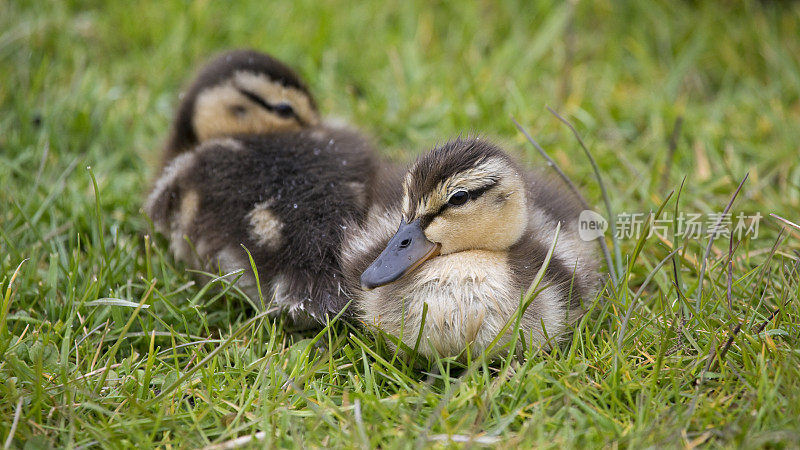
(447,160)
(226,64)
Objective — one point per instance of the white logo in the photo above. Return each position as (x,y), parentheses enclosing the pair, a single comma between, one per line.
(591,225)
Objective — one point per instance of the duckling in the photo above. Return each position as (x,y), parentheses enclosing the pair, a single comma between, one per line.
(285,197)
(474,230)
(249,164)
(240,92)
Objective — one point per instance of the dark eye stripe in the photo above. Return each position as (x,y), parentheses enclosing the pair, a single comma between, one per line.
(255,98)
(473,194)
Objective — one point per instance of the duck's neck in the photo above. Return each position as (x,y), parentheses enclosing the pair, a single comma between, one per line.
(468,298)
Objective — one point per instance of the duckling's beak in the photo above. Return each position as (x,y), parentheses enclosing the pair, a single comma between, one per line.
(406,250)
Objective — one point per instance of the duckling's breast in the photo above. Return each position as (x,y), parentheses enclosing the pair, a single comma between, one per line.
(469,295)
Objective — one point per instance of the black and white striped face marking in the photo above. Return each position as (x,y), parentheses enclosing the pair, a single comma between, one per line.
(251,103)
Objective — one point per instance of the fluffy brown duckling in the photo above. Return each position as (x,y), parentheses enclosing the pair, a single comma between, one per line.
(249,164)
(474,230)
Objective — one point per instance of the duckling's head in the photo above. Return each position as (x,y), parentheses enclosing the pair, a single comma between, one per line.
(241,92)
(464,195)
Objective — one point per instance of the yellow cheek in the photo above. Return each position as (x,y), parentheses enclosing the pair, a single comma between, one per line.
(435,232)
(485,225)
(458,230)
(215,119)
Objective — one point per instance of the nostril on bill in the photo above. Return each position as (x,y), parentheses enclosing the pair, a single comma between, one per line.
(405,243)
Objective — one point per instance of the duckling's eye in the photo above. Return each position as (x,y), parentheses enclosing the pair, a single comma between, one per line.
(283,109)
(459,198)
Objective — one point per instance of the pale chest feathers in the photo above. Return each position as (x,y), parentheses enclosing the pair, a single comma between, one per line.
(470,298)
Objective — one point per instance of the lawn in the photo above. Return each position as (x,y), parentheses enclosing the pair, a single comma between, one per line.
(106,341)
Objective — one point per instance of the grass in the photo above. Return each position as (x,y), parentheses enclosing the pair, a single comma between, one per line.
(106,341)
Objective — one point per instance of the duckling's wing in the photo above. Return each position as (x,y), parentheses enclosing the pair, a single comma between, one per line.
(576,260)
(285,198)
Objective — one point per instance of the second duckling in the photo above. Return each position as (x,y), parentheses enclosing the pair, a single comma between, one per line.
(249,163)
(285,197)
(474,230)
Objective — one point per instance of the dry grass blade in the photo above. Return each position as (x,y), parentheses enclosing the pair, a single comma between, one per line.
(14,423)
(704,262)
(603,246)
(729,271)
(766,322)
(360,423)
(459,438)
(728,343)
(786,221)
(777,311)
(239,442)
(611,219)
(766,264)
(552,163)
